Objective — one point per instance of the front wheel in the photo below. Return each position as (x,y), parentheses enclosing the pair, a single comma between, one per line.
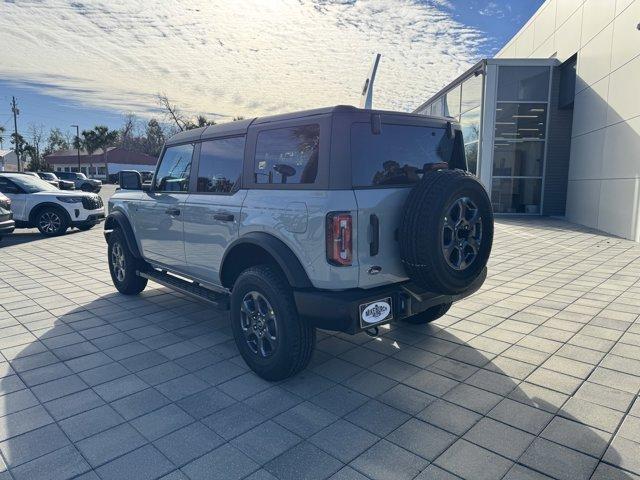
(429,315)
(273,340)
(123,266)
(52,221)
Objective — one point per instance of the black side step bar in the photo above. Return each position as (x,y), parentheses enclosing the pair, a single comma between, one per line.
(218,299)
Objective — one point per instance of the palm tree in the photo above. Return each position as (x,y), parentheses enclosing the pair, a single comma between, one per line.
(104,138)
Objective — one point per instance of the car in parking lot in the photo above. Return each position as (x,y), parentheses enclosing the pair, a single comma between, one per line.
(7,224)
(340,218)
(81,181)
(36,203)
(53,179)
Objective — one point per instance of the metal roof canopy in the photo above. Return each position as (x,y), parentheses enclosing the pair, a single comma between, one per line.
(480,67)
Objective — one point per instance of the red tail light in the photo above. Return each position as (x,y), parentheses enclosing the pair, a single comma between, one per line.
(339,248)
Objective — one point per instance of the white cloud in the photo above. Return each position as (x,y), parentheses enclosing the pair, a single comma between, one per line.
(233,57)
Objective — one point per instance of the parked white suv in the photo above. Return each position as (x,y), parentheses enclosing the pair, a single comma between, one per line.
(36,203)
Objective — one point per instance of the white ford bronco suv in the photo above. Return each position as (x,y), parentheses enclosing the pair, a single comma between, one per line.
(337,218)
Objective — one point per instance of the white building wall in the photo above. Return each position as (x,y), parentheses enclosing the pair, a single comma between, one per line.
(604,174)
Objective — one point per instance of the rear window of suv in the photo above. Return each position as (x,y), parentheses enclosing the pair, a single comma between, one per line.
(397,155)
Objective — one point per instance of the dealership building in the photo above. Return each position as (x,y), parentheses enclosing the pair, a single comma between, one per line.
(552,123)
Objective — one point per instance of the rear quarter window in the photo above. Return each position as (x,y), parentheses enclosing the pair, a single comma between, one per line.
(287,155)
(397,155)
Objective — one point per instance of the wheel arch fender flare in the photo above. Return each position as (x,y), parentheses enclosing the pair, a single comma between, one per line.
(38,207)
(118,219)
(277,249)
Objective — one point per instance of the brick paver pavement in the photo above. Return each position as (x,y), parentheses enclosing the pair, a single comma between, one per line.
(535,376)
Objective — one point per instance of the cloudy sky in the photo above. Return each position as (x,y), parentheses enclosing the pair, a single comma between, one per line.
(84,61)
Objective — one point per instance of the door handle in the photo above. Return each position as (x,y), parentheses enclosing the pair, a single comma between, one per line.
(224,217)
(172,211)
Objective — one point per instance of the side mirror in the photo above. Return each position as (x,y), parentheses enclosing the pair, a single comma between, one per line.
(130,180)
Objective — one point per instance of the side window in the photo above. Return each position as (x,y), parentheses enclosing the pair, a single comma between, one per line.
(7,186)
(287,155)
(220,165)
(175,166)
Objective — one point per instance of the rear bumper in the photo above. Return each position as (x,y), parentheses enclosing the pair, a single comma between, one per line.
(341,310)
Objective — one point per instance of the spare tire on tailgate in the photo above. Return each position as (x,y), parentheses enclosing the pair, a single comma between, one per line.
(446,231)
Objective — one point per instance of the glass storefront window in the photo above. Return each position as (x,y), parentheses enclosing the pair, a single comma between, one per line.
(471,153)
(518,159)
(437,107)
(521,120)
(470,124)
(471,93)
(516,195)
(523,83)
(452,102)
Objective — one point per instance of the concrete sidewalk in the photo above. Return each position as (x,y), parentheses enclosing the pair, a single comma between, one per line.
(536,376)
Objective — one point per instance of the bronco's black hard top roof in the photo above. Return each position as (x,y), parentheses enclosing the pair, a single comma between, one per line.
(240,127)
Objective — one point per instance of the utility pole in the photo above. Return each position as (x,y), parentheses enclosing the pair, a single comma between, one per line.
(78,144)
(16,112)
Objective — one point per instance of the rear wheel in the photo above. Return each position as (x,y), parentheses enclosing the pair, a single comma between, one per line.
(274,341)
(429,315)
(86,187)
(52,221)
(123,266)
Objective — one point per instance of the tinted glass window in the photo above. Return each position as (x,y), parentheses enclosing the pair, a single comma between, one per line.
(220,165)
(6,186)
(397,155)
(471,93)
(521,120)
(523,83)
(288,155)
(452,102)
(175,166)
(32,184)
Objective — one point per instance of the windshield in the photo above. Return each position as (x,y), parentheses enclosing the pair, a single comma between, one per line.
(48,176)
(32,184)
(81,175)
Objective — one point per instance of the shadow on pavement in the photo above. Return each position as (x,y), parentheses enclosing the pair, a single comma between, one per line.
(142,386)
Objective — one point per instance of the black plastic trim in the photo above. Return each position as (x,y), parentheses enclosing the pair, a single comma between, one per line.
(286,259)
(122,222)
(339,310)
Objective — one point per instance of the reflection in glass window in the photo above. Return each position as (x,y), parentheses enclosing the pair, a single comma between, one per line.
(471,93)
(397,155)
(288,155)
(220,164)
(521,120)
(452,102)
(175,166)
(471,152)
(516,195)
(470,124)
(437,107)
(523,83)
(518,159)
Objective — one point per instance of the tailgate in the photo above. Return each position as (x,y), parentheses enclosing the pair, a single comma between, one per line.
(384,206)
